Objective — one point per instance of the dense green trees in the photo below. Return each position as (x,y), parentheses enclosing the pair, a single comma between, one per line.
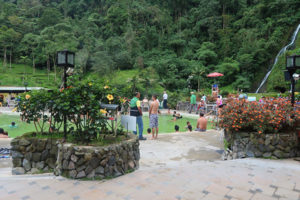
(176,38)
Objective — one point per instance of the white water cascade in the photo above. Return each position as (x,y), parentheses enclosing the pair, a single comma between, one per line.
(282,51)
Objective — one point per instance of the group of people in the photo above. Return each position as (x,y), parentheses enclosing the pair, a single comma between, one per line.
(201,124)
(163,104)
(197,107)
(8,100)
(136,111)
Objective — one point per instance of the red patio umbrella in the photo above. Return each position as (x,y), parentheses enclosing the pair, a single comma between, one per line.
(215,74)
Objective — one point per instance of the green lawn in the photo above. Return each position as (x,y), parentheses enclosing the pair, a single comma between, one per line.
(16,75)
(165,124)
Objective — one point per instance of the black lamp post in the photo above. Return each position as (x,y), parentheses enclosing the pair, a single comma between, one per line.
(65,59)
(189,82)
(292,64)
(25,85)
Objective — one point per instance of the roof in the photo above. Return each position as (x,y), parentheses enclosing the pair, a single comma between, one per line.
(109,106)
(5,89)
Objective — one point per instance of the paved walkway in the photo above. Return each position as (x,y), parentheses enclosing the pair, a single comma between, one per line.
(176,166)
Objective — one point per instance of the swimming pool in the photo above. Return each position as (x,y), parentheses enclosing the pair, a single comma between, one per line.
(166,125)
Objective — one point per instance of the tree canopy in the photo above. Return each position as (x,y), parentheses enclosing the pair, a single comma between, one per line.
(176,38)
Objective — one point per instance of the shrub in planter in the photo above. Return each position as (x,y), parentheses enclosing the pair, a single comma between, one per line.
(33,107)
(80,103)
(272,116)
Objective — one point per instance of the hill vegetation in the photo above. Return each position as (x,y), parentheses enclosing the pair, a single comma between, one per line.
(171,39)
(276,80)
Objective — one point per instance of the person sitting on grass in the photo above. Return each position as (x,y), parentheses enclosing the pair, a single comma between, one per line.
(149,130)
(176,116)
(176,128)
(13,125)
(201,123)
(3,134)
(189,126)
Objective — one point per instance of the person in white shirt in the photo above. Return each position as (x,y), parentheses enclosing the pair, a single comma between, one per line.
(165,100)
(203,98)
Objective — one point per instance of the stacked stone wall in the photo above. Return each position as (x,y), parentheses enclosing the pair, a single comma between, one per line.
(275,146)
(33,155)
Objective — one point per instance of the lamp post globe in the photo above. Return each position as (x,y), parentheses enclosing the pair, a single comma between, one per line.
(292,64)
(65,59)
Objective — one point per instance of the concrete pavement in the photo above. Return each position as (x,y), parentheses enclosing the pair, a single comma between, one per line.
(176,166)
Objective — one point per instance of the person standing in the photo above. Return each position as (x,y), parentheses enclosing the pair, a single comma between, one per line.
(153,116)
(136,111)
(203,98)
(165,100)
(193,105)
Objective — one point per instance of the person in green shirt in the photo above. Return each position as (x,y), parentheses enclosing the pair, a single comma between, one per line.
(136,111)
(193,103)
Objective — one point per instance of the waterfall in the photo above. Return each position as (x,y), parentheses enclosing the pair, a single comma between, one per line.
(282,51)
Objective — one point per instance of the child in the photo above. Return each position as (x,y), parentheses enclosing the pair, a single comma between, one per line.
(149,130)
(176,116)
(176,128)
(189,126)
(13,125)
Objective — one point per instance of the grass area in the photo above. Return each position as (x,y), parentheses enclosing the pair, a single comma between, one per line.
(19,73)
(165,125)
(147,80)
(119,77)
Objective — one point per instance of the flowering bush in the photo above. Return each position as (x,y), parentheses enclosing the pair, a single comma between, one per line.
(33,108)
(268,117)
(79,103)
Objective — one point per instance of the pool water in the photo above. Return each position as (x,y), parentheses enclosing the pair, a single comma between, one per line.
(166,125)
(22,127)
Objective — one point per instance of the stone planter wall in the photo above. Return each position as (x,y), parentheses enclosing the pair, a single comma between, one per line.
(275,146)
(100,162)
(43,155)
(33,155)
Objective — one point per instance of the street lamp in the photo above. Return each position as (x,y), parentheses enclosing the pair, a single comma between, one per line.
(25,85)
(292,64)
(189,82)
(65,59)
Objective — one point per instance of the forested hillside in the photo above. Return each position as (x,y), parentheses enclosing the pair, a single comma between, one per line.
(175,38)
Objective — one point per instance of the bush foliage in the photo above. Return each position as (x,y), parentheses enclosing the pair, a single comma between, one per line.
(271,116)
(79,102)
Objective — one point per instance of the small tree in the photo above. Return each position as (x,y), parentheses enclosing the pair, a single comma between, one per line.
(80,103)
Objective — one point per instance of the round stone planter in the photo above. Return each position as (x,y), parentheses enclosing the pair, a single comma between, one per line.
(99,162)
(32,155)
(249,144)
